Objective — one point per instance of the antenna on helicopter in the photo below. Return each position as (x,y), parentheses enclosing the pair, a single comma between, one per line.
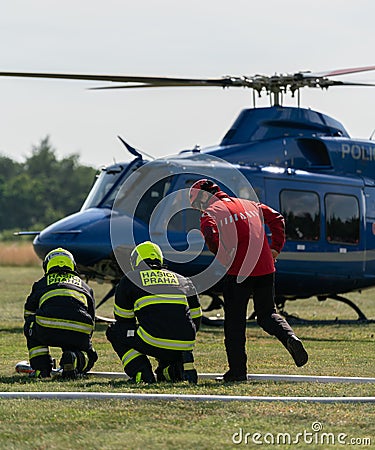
(133,151)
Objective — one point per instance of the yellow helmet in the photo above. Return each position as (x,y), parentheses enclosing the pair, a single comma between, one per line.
(145,251)
(59,257)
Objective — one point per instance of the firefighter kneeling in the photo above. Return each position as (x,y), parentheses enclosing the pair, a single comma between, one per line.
(157,313)
(60,312)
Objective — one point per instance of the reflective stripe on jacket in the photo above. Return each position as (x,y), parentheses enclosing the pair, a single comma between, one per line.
(162,304)
(62,301)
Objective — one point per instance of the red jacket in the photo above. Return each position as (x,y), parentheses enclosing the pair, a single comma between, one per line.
(234,231)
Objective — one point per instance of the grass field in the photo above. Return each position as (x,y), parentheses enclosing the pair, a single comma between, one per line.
(18,253)
(342,350)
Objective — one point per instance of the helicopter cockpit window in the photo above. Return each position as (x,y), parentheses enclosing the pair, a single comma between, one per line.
(104,183)
(301,210)
(342,219)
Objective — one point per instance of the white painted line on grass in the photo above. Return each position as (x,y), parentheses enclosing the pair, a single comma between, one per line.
(260,377)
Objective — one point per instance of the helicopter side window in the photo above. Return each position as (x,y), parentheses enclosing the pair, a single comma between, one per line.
(342,219)
(301,210)
(151,198)
(187,218)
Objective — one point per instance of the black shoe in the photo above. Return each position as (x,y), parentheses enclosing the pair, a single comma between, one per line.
(40,374)
(160,376)
(191,376)
(173,372)
(68,364)
(234,376)
(296,349)
(143,377)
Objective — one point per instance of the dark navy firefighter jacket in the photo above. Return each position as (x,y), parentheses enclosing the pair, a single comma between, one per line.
(62,301)
(162,305)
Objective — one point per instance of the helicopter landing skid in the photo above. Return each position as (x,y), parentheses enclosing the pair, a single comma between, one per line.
(109,295)
(217,303)
(339,298)
(362,319)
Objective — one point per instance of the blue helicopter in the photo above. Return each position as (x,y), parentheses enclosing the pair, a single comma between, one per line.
(298,161)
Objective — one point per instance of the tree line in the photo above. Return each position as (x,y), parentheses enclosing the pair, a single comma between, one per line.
(41,190)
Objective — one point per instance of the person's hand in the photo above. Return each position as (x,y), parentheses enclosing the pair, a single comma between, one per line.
(275,254)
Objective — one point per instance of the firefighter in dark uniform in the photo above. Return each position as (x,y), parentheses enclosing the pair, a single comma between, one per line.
(234,231)
(60,312)
(157,314)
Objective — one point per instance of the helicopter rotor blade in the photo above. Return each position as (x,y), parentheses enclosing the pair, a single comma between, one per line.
(254,81)
(274,85)
(134,86)
(343,83)
(145,81)
(332,73)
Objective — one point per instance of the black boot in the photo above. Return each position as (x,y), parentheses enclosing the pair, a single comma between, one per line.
(46,373)
(234,376)
(296,349)
(140,370)
(189,372)
(68,364)
(237,361)
(145,376)
(169,371)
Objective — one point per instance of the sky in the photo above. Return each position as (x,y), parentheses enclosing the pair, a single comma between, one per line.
(198,39)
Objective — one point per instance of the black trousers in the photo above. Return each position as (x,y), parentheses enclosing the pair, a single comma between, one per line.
(39,339)
(133,351)
(236,299)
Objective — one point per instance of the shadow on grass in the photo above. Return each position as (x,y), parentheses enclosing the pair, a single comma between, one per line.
(369,339)
(16,379)
(118,384)
(328,339)
(214,324)
(12,330)
(84,384)
(101,327)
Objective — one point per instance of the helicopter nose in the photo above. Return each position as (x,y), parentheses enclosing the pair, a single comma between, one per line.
(85,234)
(48,240)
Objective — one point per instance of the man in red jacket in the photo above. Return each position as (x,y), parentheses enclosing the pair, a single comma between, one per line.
(234,231)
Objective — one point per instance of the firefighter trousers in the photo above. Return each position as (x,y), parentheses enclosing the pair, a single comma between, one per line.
(40,338)
(133,353)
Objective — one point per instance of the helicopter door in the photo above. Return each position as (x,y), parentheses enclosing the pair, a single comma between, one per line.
(370,229)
